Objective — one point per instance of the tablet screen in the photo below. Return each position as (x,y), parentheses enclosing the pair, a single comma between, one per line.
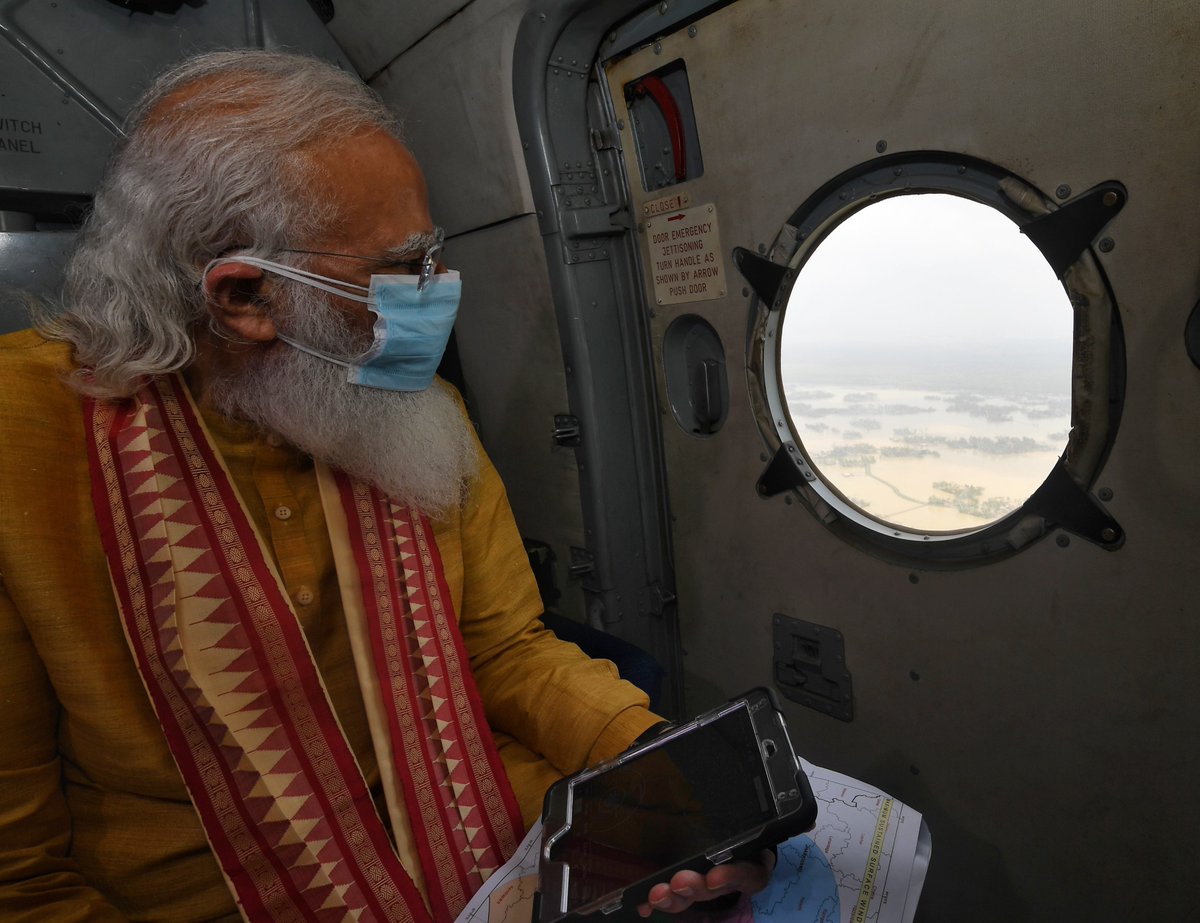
(679,800)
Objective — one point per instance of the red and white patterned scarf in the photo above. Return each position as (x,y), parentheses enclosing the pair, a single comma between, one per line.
(242,704)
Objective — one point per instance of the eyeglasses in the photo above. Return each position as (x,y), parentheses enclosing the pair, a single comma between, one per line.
(423,268)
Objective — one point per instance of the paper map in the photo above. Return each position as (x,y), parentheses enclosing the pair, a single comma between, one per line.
(863,862)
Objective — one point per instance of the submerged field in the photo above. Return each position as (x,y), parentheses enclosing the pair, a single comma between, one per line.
(941,457)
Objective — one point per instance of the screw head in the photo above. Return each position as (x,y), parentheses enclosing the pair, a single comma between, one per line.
(1063,191)
(1110,199)
(1107,245)
(658,47)
(1105,493)
(691,31)
(1108,534)
(1063,541)
(880,146)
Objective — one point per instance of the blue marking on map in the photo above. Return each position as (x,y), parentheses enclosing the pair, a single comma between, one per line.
(802,889)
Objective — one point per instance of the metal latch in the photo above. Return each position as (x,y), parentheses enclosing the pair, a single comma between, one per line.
(566,429)
(582,562)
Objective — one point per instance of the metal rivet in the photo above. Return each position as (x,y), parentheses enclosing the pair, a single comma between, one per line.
(961,169)
(691,31)
(1107,244)
(896,171)
(662,8)
(658,47)
(1063,541)
(1108,534)
(1063,191)
(1110,198)
(880,146)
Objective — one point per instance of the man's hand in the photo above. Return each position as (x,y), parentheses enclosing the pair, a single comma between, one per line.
(686,888)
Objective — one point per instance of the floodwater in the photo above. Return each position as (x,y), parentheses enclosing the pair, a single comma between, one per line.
(930,459)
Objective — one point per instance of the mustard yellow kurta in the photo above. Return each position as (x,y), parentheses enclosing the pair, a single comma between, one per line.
(95,823)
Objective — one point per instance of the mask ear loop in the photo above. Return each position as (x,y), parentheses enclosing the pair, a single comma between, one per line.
(296,344)
(296,275)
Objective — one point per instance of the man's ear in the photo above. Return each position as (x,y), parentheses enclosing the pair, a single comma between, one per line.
(236,294)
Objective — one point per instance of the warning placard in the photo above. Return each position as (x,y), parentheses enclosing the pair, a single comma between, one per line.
(686,262)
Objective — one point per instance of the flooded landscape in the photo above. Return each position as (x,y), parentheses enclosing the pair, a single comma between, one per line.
(936,446)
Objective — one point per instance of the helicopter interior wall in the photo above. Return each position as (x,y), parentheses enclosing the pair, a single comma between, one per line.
(375,33)
(515,384)
(1041,710)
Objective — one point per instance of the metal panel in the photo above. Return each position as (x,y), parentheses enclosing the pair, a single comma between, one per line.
(454,93)
(1041,710)
(31,264)
(508,342)
(71,70)
(373,33)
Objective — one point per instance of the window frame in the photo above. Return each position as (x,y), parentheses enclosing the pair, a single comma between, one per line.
(1064,233)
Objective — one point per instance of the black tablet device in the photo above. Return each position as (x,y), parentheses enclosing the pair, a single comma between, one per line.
(725,785)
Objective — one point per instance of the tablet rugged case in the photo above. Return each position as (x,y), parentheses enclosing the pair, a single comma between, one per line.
(787,809)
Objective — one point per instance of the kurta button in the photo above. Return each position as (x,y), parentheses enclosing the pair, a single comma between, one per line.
(304,596)
(283,512)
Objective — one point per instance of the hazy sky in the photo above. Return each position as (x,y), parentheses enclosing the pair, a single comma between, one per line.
(929,271)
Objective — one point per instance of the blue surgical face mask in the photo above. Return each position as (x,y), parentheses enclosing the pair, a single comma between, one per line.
(411,326)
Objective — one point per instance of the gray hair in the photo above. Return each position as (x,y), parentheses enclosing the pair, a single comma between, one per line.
(218,167)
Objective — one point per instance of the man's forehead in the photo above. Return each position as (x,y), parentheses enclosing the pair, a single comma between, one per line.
(374,190)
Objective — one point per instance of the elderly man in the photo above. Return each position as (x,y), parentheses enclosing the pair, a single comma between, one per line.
(271,645)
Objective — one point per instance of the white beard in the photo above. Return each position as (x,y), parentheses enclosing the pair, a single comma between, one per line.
(416,446)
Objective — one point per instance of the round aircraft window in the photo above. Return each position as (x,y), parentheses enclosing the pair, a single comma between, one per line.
(925,359)
(939,358)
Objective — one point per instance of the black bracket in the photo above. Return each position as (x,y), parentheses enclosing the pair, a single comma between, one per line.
(764,277)
(1063,234)
(566,429)
(1063,503)
(582,562)
(809,666)
(781,474)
